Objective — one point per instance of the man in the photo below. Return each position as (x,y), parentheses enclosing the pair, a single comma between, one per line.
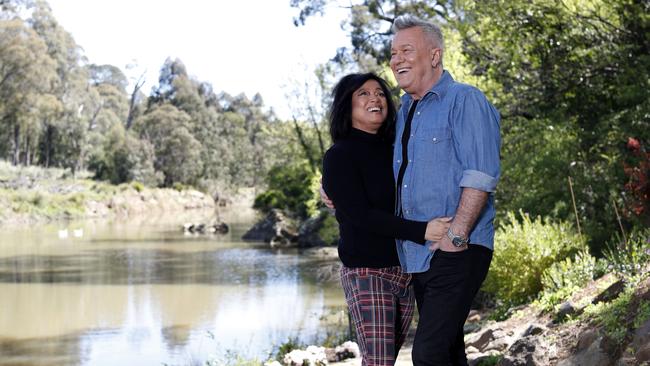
(446,163)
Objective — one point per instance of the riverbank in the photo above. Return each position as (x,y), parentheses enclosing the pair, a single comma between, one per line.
(31,194)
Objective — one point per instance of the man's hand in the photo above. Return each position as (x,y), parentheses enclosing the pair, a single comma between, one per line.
(446,245)
(323,197)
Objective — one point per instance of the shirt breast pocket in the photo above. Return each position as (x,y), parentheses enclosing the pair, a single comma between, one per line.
(434,147)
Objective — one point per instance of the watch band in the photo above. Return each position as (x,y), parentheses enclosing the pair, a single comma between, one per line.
(457,240)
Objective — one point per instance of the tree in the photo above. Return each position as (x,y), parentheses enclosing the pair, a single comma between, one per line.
(26,72)
(177,152)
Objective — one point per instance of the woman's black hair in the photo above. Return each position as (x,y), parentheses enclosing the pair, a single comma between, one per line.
(340,113)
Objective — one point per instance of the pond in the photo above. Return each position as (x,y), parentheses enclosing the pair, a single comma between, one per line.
(141,292)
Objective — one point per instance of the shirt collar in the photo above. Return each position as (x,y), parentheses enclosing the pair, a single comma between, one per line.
(440,88)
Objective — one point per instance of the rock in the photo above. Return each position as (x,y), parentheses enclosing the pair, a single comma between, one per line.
(500,344)
(590,356)
(201,228)
(643,354)
(308,233)
(522,353)
(642,335)
(221,228)
(342,352)
(586,339)
(567,309)
(473,316)
(275,229)
(470,350)
(534,329)
(470,328)
(313,355)
(480,340)
(610,293)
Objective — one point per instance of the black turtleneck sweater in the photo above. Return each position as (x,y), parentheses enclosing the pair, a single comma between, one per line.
(358,177)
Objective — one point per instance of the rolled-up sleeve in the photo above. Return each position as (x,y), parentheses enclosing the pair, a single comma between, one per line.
(475,131)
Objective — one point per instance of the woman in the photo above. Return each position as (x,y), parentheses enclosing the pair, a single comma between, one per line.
(358,178)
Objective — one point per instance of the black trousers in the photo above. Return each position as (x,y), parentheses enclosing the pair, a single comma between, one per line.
(444,295)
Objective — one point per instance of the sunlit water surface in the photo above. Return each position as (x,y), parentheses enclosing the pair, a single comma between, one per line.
(140,292)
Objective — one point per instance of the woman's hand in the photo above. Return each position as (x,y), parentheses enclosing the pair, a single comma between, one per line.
(437,228)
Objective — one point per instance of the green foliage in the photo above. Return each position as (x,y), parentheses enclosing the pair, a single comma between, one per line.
(177,152)
(180,187)
(329,231)
(632,257)
(612,316)
(125,158)
(139,187)
(490,361)
(563,278)
(290,188)
(524,249)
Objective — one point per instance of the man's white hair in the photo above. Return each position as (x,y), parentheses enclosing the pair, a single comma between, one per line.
(431,30)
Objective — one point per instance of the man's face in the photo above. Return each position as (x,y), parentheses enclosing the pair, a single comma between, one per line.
(412,59)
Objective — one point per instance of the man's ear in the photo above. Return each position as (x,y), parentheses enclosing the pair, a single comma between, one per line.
(436,54)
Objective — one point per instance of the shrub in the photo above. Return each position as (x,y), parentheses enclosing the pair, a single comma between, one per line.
(329,230)
(292,189)
(631,257)
(563,278)
(524,249)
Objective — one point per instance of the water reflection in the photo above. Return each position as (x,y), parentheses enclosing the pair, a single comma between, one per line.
(143,294)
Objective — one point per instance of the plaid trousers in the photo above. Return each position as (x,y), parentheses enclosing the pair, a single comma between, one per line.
(381,304)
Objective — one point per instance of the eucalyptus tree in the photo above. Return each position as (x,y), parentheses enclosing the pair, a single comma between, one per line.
(26,75)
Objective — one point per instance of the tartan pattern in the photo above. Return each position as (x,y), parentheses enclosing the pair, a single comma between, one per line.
(381,304)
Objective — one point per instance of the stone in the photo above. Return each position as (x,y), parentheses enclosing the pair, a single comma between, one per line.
(566,309)
(610,293)
(523,353)
(642,335)
(590,356)
(308,233)
(500,344)
(534,329)
(470,328)
(473,316)
(643,354)
(470,350)
(586,339)
(480,340)
(274,229)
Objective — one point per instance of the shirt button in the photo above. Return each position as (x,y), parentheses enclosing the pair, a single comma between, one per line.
(411,135)
(418,113)
(405,186)
(435,139)
(410,160)
(398,161)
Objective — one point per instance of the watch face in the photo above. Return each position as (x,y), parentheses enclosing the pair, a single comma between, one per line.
(458,241)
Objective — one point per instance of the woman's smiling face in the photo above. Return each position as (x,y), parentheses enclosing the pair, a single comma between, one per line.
(369,108)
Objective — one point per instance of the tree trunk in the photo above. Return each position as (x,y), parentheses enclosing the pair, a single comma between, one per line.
(134,95)
(16,153)
(305,145)
(48,145)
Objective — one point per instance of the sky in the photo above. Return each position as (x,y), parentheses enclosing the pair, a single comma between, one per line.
(238,46)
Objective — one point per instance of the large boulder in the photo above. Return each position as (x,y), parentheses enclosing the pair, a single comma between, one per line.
(275,229)
(318,231)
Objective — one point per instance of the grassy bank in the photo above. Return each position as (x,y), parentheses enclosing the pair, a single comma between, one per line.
(30,194)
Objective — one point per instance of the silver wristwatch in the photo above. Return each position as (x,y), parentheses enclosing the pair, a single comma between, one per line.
(457,240)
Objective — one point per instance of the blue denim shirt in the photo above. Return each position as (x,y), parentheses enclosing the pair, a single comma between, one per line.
(454,143)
